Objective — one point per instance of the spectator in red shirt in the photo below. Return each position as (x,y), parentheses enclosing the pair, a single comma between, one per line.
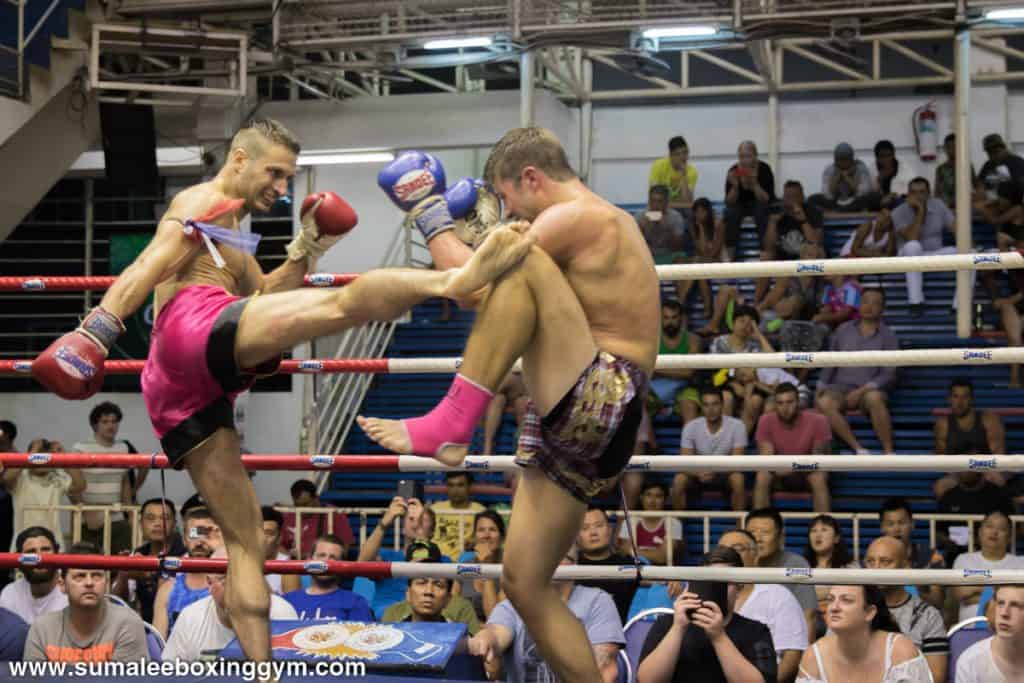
(791,430)
(314,525)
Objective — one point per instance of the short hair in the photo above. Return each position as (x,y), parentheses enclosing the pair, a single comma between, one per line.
(452,475)
(750,536)
(748,143)
(884,145)
(873,290)
(303,486)
(522,147)
(101,409)
(999,587)
(746,311)
(9,428)
(793,183)
(711,390)
(658,189)
(254,136)
(767,513)
(80,548)
(892,504)
(595,508)
(721,555)
(197,513)
(32,532)
(961,381)
(270,514)
(674,305)
(949,138)
(919,180)
(494,517)
(786,388)
(333,539)
(160,501)
(677,142)
(652,483)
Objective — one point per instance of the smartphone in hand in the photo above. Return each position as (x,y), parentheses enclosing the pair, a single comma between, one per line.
(410,488)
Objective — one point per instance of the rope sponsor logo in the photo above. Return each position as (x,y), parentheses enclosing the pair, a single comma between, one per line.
(799,572)
(977,355)
(989,464)
(987,258)
(247,671)
(806,466)
(311,366)
(23,366)
(473,570)
(170,563)
(322,461)
(810,268)
(29,559)
(800,358)
(33,285)
(478,464)
(415,184)
(639,465)
(321,279)
(39,458)
(315,567)
(978,573)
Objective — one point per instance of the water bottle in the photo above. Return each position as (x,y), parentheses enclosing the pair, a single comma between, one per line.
(978,321)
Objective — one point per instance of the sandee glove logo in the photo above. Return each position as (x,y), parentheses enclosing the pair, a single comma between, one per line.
(415,184)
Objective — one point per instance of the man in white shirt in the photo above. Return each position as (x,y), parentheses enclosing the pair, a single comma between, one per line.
(36,593)
(205,625)
(771,604)
(37,491)
(712,434)
(999,659)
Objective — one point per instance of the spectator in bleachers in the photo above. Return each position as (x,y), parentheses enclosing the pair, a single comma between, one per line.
(919,224)
(707,642)
(889,183)
(488,544)
(792,306)
(314,525)
(972,495)
(663,228)
(874,237)
(505,644)
(108,486)
(840,302)
(712,434)
(826,549)
(13,634)
(595,548)
(708,235)
(90,628)
(205,625)
(746,335)
(799,223)
(967,431)
(919,620)
(1000,657)
(36,592)
(675,390)
(42,488)
(676,173)
(160,536)
(1006,214)
(325,598)
(1002,165)
(653,534)
(454,516)
(845,183)
(1008,303)
(864,643)
(511,397)
(896,520)
(767,528)
(860,388)
(772,605)
(754,392)
(993,535)
(273,523)
(8,434)
(945,173)
(431,600)
(749,191)
(790,430)
(176,592)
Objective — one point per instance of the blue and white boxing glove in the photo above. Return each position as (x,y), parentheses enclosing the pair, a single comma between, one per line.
(415,182)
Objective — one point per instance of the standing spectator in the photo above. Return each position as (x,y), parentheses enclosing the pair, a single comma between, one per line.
(1000,167)
(653,534)
(712,434)
(314,525)
(708,234)
(896,521)
(159,531)
(175,593)
(36,593)
(767,528)
(42,488)
(1000,657)
(972,495)
(675,390)
(873,237)
(108,486)
(919,224)
(860,388)
(454,516)
(790,430)
(663,228)
(965,431)
(770,604)
(8,433)
(919,621)
(845,184)
(512,397)
(675,172)
(945,173)
(429,600)
(90,628)
(488,546)
(994,539)
(13,634)
(890,184)
(706,642)
(749,191)
(595,548)
(273,521)
(325,598)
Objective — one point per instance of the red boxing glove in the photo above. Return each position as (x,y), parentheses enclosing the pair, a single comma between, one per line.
(334,216)
(72,366)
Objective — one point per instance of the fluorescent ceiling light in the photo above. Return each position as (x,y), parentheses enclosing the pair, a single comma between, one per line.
(1005,14)
(455,43)
(681,32)
(329,156)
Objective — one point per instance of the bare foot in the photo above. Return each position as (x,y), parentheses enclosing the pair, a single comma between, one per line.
(392,435)
(503,249)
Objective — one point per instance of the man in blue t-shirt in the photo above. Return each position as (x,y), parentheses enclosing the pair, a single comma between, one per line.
(325,598)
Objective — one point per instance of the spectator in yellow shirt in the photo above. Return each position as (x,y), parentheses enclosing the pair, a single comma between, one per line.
(668,171)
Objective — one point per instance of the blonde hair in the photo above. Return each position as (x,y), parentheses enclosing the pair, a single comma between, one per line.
(254,136)
(522,147)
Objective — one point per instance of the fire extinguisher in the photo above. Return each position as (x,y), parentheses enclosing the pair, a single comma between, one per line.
(926,132)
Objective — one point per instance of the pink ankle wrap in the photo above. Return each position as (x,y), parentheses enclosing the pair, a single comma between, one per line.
(452,421)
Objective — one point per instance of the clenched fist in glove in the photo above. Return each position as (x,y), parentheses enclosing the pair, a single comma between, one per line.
(72,366)
(326,218)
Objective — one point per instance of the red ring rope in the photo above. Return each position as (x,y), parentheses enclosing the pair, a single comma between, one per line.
(33,283)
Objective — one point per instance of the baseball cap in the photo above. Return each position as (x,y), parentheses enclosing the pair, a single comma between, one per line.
(843,151)
(993,140)
(422,551)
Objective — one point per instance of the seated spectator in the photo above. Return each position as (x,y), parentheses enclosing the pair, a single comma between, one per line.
(770,604)
(675,172)
(595,548)
(1008,303)
(675,390)
(90,628)
(707,642)
(766,526)
(36,593)
(13,634)
(159,530)
(792,306)
(845,184)
(663,228)
(749,191)
(945,173)
(42,488)
(325,598)
(746,335)
(8,434)
(874,237)
(790,430)
(653,534)
(966,431)
(314,525)
(273,524)
(108,486)
(994,539)
(511,397)
(205,627)
(890,185)
(972,495)
(826,549)
(431,599)
(918,620)
(919,224)
(488,543)
(1006,214)
(799,223)
(506,645)
(708,235)
(864,643)
(999,658)
(454,516)
(896,520)
(202,538)
(860,388)
(1001,166)
(712,434)
(753,391)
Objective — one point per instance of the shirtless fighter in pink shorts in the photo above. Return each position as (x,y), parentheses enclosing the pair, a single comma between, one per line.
(221,322)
